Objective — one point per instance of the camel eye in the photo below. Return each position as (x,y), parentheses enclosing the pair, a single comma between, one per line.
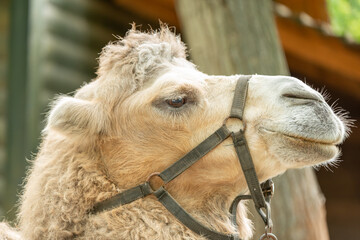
(176,102)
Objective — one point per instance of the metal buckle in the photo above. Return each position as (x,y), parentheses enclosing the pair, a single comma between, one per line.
(268,188)
(153,186)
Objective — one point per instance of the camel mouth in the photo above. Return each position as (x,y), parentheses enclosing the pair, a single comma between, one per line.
(309,140)
(324,142)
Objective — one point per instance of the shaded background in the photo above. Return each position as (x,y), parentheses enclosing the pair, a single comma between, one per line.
(49,47)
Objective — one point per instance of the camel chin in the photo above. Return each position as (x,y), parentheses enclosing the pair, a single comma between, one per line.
(301,152)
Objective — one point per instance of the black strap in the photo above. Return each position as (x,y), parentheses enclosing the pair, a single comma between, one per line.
(238,105)
(172,206)
(248,168)
(194,155)
(233,209)
(242,149)
(123,198)
(234,205)
(168,174)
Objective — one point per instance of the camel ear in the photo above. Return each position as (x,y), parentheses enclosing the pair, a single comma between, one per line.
(77,117)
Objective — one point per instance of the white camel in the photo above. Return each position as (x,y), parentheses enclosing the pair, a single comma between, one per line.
(148,107)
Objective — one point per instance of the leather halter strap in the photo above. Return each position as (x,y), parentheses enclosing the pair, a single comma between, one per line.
(243,153)
(241,146)
(168,174)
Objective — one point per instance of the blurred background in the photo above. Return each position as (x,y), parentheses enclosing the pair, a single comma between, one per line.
(49,47)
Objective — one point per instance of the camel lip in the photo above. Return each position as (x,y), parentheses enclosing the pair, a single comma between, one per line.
(304,139)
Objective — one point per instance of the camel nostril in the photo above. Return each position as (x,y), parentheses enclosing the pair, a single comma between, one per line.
(303,96)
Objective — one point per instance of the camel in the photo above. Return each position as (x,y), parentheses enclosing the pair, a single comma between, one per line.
(147,107)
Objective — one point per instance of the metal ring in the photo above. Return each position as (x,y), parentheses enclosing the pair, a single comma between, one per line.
(268,236)
(154,174)
(242,128)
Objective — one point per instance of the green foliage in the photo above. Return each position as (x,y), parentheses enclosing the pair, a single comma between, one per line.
(345,17)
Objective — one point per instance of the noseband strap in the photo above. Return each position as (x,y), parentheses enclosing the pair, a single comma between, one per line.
(238,105)
(243,153)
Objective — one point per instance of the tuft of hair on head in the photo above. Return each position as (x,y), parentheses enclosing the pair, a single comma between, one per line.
(138,55)
(126,64)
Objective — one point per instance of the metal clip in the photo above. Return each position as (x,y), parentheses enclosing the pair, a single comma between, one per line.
(265,214)
(268,229)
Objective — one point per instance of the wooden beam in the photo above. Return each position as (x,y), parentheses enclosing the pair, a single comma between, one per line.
(154,10)
(326,60)
(315,8)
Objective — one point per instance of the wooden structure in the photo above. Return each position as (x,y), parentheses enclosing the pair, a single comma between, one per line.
(310,50)
(4,26)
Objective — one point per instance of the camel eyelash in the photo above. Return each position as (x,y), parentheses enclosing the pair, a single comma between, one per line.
(176,102)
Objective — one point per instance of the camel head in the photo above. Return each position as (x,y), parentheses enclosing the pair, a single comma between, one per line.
(149,106)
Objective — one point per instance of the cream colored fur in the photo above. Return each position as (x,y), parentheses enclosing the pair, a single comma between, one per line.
(118,129)
(6,232)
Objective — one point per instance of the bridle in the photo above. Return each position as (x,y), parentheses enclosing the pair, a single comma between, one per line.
(261,195)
